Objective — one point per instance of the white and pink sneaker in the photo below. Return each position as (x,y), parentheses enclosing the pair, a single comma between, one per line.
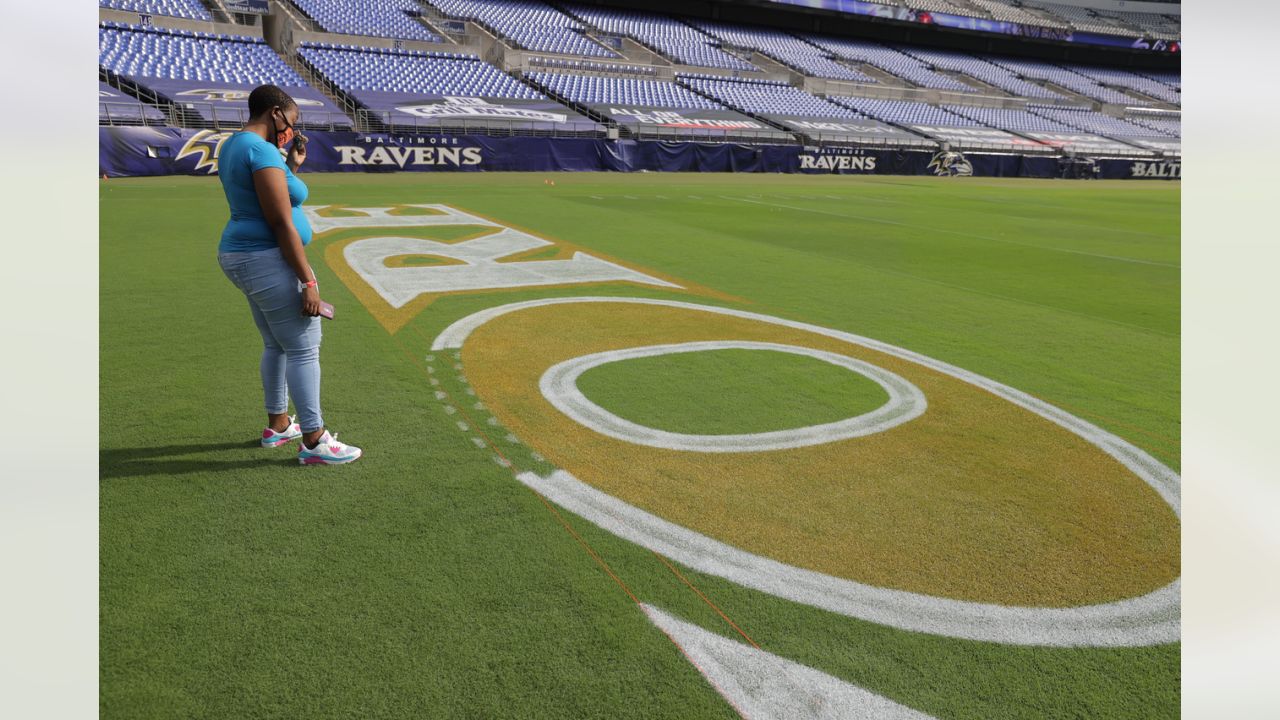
(328,452)
(271,438)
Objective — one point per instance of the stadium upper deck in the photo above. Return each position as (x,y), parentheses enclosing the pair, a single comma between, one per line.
(525,66)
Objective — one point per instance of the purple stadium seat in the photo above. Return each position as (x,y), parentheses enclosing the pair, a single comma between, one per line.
(410,87)
(379,18)
(765,97)
(206,74)
(683,43)
(788,49)
(190,9)
(894,62)
(530,24)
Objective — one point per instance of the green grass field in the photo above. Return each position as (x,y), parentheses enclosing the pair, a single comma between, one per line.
(425,581)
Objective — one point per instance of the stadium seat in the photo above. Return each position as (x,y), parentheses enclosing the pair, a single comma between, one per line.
(378,18)
(600,90)
(529,24)
(765,97)
(683,43)
(806,57)
(189,9)
(176,63)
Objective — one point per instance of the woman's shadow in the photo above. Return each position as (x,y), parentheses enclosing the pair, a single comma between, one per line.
(181,459)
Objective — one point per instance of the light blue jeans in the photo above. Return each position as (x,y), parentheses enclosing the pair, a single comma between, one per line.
(291,341)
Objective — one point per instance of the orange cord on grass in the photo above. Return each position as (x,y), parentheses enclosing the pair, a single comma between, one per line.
(705,599)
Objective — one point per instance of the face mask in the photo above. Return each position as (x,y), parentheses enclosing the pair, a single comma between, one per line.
(282,136)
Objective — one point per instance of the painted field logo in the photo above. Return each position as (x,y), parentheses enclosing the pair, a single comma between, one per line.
(946,503)
(402,258)
(958,507)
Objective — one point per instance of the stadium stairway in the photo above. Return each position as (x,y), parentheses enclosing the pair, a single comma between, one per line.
(1049,85)
(298,18)
(883,77)
(973,82)
(492,46)
(331,91)
(630,50)
(433,19)
(1142,97)
(772,68)
(596,30)
(217,10)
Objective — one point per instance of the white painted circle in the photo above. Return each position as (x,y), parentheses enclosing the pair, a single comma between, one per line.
(1150,619)
(559,385)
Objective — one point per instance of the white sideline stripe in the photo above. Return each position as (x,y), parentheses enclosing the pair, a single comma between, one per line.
(559,386)
(764,686)
(1117,258)
(1144,620)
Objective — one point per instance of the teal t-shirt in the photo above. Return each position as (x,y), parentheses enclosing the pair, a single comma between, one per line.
(240,157)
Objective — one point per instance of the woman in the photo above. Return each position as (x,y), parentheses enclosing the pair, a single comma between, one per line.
(262,252)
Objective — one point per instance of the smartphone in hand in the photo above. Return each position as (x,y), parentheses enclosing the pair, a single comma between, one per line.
(326,310)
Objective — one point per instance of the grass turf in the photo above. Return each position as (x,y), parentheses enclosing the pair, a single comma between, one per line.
(725,392)
(424,581)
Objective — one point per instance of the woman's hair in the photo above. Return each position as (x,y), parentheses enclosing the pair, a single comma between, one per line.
(265,97)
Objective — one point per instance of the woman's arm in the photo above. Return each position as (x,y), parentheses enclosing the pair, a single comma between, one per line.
(273,196)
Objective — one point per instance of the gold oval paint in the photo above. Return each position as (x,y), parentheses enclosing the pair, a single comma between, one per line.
(977,499)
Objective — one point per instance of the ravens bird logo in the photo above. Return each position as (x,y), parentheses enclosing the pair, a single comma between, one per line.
(950,164)
(204,146)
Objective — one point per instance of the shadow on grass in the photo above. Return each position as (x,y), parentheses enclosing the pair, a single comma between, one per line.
(177,460)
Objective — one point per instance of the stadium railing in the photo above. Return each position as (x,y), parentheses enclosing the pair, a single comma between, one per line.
(114,114)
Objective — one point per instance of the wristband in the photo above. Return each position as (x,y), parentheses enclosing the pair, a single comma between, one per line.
(310,284)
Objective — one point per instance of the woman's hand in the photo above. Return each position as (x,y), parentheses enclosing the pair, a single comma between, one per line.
(310,301)
(297,153)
